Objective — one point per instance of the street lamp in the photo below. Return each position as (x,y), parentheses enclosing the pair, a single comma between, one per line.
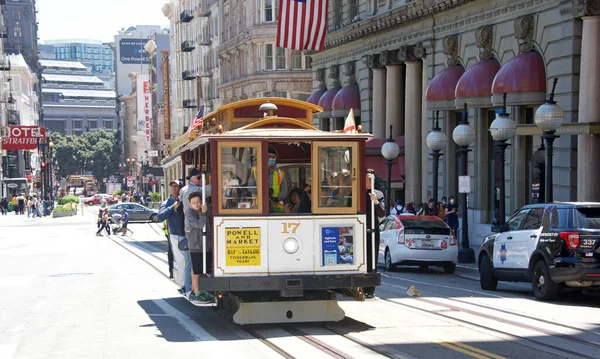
(549,117)
(390,151)
(50,165)
(539,162)
(464,136)
(503,128)
(436,142)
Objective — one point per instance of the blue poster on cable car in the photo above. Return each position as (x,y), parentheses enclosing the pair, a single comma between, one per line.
(337,245)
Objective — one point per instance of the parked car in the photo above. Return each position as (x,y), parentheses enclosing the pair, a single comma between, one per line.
(97,199)
(136,211)
(417,240)
(553,246)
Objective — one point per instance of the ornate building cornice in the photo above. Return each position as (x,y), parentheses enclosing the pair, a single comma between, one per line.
(334,74)
(485,42)
(389,57)
(349,71)
(450,49)
(394,18)
(586,8)
(320,76)
(524,32)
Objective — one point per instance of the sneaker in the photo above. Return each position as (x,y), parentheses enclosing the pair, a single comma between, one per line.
(198,298)
(181,290)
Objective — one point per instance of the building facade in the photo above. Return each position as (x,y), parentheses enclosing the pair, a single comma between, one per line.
(20,108)
(129,54)
(74,100)
(21,25)
(402,63)
(99,55)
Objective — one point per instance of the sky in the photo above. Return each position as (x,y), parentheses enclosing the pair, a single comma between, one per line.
(95,19)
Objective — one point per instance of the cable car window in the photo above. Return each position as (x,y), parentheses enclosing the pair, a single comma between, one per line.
(336,178)
(239,166)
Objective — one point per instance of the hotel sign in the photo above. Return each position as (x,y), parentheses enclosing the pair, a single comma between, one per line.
(166,99)
(21,137)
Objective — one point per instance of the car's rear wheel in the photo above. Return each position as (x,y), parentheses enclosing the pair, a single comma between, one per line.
(154,218)
(449,268)
(389,266)
(544,288)
(487,279)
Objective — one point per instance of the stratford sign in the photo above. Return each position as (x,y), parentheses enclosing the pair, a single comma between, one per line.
(21,137)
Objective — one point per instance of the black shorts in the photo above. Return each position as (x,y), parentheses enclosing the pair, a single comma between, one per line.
(197,262)
(124,226)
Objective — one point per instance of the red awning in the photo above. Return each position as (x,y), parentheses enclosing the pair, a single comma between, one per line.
(523,79)
(475,85)
(326,102)
(440,92)
(316,96)
(375,161)
(348,97)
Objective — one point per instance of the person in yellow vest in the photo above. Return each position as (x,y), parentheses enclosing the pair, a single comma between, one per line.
(278,187)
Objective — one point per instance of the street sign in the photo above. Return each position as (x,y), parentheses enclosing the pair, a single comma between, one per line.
(153,153)
(464,184)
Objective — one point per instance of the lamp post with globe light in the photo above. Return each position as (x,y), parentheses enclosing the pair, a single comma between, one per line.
(503,128)
(464,136)
(436,142)
(390,151)
(549,117)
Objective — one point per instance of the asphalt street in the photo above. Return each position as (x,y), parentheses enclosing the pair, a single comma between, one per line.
(69,294)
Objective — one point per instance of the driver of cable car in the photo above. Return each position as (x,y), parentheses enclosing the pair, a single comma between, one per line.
(278,187)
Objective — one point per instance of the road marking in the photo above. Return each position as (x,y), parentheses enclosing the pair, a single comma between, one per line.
(462,348)
(439,285)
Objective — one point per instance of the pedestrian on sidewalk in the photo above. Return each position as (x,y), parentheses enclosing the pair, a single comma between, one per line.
(452,215)
(171,210)
(4,206)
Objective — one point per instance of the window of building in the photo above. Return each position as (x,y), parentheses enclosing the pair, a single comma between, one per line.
(17,31)
(93,124)
(77,124)
(280,58)
(270,11)
(108,125)
(296,60)
(269,63)
(337,14)
(16,15)
(259,58)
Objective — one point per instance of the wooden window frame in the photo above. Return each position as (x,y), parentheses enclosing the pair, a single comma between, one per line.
(316,178)
(259,190)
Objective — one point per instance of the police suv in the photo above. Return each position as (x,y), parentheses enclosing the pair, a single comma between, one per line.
(551,245)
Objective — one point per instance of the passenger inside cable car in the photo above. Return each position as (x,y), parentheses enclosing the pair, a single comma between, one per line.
(289,167)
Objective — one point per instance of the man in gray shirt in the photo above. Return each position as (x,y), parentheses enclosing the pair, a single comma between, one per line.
(194,185)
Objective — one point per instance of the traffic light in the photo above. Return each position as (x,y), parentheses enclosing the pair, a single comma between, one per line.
(37,184)
(43,166)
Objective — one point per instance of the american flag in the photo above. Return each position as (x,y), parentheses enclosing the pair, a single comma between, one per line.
(302,24)
(197,123)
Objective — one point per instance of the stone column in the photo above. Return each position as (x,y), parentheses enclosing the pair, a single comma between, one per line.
(588,167)
(394,92)
(379,101)
(412,131)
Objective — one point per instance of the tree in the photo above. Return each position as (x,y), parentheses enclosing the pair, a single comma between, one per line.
(93,151)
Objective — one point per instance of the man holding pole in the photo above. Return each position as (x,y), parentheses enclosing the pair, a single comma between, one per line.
(375,210)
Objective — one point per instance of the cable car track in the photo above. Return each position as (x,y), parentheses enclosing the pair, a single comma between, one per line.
(497,319)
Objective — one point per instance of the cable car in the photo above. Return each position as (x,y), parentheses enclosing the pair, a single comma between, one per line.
(288,205)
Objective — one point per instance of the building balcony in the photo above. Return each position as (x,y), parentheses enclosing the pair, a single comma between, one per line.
(207,74)
(188,75)
(189,104)
(204,42)
(203,11)
(186,16)
(187,46)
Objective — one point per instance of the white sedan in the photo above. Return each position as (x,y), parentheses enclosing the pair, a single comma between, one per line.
(417,240)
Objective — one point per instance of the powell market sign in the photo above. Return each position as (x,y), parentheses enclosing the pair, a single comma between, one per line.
(21,137)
